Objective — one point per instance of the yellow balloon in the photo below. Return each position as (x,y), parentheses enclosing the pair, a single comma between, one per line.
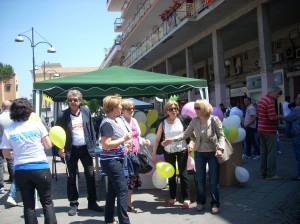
(34,117)
(177,170)
(152,116)
(165,169)
(152,130)
(232,134)
(142,127)
(58,136)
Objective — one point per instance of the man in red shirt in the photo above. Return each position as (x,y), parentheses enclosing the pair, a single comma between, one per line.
(267,130)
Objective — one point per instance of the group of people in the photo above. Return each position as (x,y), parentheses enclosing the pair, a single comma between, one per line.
(120,136)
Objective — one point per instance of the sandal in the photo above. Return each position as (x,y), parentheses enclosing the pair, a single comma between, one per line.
(214,210)
(131,209)
(186,204)
(171,202)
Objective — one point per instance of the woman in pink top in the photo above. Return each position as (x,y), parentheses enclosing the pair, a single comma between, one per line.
(130,124)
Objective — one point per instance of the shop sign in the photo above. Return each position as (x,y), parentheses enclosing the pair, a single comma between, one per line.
(254,82)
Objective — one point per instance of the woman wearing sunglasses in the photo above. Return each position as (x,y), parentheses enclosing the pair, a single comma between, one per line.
(172,127)
(130,124)
(207,149)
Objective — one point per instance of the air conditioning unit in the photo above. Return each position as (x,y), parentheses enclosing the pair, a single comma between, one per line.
(277,57)
(257,63)
(297,53)
(237,70)
(289,53)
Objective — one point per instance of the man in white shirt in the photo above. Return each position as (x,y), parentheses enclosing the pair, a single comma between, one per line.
(286,112)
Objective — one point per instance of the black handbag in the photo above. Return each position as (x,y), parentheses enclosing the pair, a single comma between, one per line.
(144,167)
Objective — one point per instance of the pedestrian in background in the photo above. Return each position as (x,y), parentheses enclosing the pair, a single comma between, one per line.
(25,140)
(80,145)
(267,129)
(286,112)
(115,143)
(294,118)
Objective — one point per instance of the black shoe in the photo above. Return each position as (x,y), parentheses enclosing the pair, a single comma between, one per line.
(95,207)
(295,179)
(73,210)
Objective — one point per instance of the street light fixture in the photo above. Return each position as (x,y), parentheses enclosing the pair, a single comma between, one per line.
(20,38)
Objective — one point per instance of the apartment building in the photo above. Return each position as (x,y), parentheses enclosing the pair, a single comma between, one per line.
(9,89)
(241,47)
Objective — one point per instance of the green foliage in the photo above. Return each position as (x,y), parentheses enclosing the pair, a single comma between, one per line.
(93,105)
(6,72)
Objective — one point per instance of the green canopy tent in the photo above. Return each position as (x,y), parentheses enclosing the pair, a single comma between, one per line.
(121,80)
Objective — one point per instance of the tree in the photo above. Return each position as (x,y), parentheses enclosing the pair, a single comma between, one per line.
(6,72)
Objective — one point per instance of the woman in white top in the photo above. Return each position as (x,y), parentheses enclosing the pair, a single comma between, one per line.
(176,151)
(27,139)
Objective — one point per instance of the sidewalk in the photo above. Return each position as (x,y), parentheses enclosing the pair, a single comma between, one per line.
(257,201)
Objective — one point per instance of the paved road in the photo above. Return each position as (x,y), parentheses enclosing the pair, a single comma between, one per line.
(257,201)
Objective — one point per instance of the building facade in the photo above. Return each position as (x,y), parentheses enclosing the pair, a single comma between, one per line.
(9,89)
(241,47)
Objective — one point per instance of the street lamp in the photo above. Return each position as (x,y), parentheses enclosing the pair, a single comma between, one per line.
(20,38)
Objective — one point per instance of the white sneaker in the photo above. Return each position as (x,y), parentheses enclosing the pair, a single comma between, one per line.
(2,190)
(256,157)
(10,201)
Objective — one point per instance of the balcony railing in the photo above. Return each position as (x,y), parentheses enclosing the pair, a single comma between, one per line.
(186,10)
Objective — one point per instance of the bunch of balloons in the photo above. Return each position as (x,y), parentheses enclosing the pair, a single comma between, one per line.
(232,129)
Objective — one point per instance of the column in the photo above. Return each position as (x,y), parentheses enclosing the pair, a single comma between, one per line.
(190,71)
(219,71)
(265,48)
(169,69)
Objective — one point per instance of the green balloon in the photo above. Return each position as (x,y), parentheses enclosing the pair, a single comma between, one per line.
(226,132)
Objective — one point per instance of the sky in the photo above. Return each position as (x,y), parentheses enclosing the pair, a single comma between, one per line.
(78,30)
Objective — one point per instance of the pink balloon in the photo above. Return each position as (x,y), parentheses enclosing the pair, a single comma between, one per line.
(218,112)
(188,110)
(190,163)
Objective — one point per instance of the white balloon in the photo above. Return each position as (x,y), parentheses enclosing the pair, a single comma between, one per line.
(140,116)
(234,121)
(151,138)
(241,135)
(226,122)
(236,111)
(241,174)
(158,181)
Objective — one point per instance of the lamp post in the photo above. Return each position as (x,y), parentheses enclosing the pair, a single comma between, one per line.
(20,38)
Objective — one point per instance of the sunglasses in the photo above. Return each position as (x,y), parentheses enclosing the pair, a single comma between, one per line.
(172,109)
(130,109)
(197,108)
(69,100)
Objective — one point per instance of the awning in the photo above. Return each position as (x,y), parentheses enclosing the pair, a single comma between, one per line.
(293,74)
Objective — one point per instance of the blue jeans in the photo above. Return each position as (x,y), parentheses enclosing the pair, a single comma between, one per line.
(184,182)
(296,144)
(117,188)
(201,159)
(13,190)
(28,181)
(268,154)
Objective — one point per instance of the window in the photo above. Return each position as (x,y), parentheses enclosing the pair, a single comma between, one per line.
(7,87)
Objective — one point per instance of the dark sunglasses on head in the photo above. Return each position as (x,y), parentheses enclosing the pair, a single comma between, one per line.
(172,109)
(130,109)
(72,99)
(197,108)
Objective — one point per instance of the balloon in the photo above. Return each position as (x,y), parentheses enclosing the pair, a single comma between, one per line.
(158,181)
(192,154)
(236,111)
(207,168)
(226,132)
(142,127)
(34,117)
(218,112)
(152,130)
(188,109)
(233,134)
(140,116)
(151,138)
(233,121)
(241,135)
(177,170)
(165,169)
(190,163)
(241,174)
(57,136)
(152,116)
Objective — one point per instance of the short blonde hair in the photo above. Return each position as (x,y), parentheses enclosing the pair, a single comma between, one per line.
(206,108)
(169,105)
(127,103)
(111,102)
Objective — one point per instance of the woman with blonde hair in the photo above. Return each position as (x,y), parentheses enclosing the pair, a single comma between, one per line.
(209,145)
(177,151)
